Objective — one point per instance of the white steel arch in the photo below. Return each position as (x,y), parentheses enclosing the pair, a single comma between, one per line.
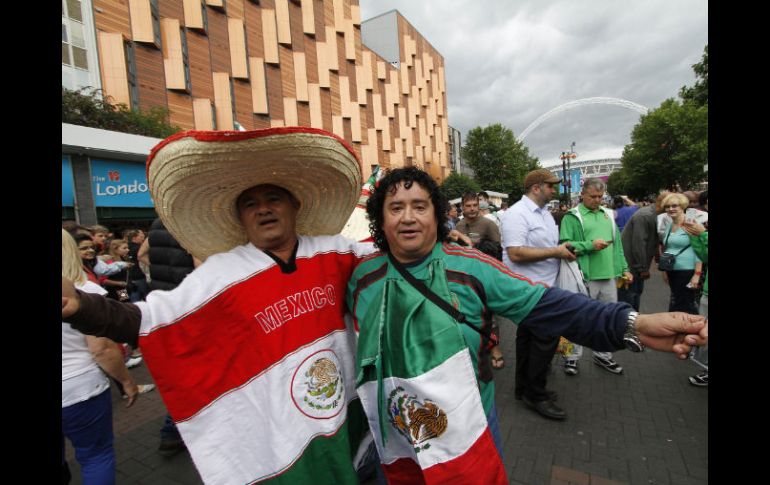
(623,103)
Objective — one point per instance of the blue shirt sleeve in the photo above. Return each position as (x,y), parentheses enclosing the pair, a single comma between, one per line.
(583,320)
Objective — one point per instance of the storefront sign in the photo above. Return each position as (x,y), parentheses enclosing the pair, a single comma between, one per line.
(119,184)
(67,183)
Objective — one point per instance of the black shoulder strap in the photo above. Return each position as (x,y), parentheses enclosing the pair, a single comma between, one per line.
(439,302)
(668,234)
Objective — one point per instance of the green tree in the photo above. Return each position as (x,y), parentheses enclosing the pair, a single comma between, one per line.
(85,108)
(617,183)
(668,149)
(698,94)
(499,160)
(457,184)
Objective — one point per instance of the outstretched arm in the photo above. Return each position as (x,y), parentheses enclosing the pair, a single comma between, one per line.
(600,325)
(96,315)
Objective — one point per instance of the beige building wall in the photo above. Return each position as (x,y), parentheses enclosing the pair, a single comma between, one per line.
(285,62)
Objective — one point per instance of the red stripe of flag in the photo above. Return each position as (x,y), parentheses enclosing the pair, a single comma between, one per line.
(480,465)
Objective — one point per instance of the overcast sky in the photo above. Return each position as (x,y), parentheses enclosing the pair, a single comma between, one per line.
(511,61)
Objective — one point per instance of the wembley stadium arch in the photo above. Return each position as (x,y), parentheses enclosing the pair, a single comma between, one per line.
(584,169)
(623,103)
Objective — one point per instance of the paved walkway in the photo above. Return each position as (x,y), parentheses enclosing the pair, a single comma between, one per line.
(648,426)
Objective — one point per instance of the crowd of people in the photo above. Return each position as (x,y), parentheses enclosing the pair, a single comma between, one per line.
(102,263)
(284,350)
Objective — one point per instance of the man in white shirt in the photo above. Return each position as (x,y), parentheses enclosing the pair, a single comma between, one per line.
(530,238)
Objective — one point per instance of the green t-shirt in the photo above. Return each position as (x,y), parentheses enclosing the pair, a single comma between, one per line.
(604,264)
(472,278)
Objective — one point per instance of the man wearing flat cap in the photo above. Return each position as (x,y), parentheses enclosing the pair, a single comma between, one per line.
(531,248)
(252,352)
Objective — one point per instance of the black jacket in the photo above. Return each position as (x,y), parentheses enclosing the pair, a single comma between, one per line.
(169,262)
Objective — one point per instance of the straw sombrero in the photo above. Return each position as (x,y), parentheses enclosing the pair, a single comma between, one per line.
(195,177)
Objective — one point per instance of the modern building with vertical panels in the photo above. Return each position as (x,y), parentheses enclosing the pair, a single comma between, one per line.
(243,64)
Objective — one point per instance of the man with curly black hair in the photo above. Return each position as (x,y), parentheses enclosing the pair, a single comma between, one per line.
(424,380)
(407,177)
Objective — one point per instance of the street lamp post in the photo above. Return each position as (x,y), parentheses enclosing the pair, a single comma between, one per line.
(566,158)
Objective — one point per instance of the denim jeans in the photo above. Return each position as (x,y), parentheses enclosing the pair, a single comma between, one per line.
(169,431)
(139,290)
(494,427)
(370,463)
(88,425)
(701,354)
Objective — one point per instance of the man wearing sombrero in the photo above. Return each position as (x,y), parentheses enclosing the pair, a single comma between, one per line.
(251,353)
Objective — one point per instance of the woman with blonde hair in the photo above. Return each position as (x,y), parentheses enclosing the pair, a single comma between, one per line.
(683,276)
(86,414)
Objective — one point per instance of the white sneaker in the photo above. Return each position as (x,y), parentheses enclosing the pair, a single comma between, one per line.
(145,388)
(570,367)
(133,362)
(608,364)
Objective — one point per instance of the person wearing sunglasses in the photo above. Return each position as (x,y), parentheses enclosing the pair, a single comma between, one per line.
(532,249)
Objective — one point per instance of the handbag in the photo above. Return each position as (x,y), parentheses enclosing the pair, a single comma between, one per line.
(122,294)
(668,260)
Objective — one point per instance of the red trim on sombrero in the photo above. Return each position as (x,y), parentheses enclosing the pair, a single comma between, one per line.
(244,135)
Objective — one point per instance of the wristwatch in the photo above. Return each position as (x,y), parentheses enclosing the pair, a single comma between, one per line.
(630,337)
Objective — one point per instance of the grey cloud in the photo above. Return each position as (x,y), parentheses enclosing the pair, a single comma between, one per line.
(513,61)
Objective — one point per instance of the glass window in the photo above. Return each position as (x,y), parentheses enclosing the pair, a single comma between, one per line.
(73,10)
(76,30)
(65,54)
(80,57)
(155,21)
(131,72)
(185,60)
(205,17)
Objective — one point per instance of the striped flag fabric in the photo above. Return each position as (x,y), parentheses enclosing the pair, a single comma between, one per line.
(256,365)
(418,388)
(357,226)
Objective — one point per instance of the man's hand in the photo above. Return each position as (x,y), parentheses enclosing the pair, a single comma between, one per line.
(599,244)
(454,235)
(70,300)
(695,281)
(676,332)
(629,277)
(693,228)
(645,275)
(132,391)
(563,252)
